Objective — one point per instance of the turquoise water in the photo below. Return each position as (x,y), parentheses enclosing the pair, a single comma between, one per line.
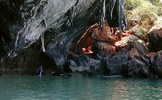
(78,88)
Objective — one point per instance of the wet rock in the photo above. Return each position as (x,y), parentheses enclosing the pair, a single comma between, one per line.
(27,62)
(157,64)
(115,62)
(70,66)
(135,68)
(144,65)
(82,63)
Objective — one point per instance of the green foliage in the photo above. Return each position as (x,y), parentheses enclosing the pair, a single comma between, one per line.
(145,12)
(131,4)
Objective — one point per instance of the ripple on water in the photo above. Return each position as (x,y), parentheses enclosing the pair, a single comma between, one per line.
(78,88)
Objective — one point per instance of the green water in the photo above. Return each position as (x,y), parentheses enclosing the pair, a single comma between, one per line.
(78,88)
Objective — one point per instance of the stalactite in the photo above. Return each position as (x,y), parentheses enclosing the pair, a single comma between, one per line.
(112,6)
(103,14)
(42,41)
(115,14)
(119,17)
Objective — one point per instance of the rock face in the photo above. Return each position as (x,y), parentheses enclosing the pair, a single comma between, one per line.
(115,63)
(83,63)
(63,29)
(7,21)
(65,20)
(57,25)
(157,64)
(136,67)
(27,63)
(104,49)
(155,36)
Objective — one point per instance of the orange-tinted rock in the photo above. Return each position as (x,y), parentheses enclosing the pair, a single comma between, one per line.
(124,42)
(104,48)
(102,35)
(85,41)
(93,34)
(108,35)
(87,50)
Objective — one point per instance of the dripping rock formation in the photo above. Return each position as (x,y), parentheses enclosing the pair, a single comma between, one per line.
(67,36)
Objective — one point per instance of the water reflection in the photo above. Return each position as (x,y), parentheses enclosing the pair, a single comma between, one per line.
(78,88)
(120,90)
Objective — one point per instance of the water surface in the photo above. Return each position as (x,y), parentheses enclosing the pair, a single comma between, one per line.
(78,88)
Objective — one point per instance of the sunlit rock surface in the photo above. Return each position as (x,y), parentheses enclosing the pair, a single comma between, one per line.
(75,36)
(61,20)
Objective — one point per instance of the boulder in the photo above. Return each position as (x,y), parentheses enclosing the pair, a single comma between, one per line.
(151,56)
(82,63)
(155,39)
(94,33)
(104,35)
(141,48)
(104,49)
(135,68)
(133,52)
(116,61)
(155,36)
(157,64)
(125,42)
(131,41)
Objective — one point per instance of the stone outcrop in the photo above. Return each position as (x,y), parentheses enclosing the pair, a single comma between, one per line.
(155,36)
(116,61)
(66,43)
(82,63)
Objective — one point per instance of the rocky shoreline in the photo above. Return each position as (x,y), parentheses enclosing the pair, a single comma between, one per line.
(68,40)
(129,56)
